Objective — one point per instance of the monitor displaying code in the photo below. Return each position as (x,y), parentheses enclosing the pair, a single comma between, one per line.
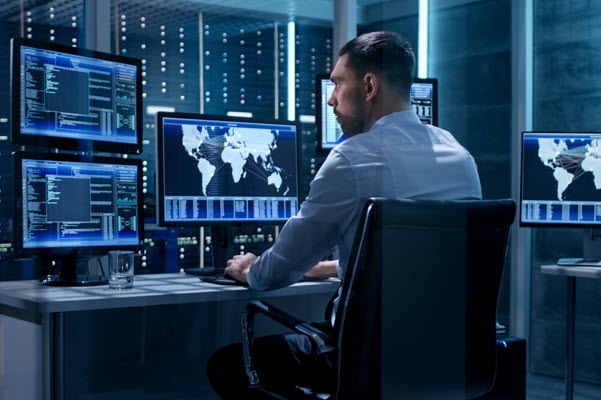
(561,179)
(71,96)
(77,204)
(223,170)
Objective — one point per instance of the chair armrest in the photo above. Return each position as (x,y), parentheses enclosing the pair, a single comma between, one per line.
(247,322)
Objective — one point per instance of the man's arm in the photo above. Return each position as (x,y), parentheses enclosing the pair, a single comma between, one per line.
(238,268)
(309,236)
(323,270)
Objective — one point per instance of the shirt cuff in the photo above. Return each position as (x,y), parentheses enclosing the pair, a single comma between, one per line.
(249,274)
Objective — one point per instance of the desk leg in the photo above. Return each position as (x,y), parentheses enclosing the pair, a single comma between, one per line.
(47,356)
(59,356)
(570,322)
(53,356)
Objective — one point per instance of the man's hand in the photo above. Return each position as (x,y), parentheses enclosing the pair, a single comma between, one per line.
(238,266)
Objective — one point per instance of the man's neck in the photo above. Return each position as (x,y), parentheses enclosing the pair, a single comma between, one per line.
(383,107)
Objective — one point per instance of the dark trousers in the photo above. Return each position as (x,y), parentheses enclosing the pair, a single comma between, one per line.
(282,362)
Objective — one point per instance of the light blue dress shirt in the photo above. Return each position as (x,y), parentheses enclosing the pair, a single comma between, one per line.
(399,157)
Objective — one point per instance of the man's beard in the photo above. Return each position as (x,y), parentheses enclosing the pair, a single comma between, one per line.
(355,123)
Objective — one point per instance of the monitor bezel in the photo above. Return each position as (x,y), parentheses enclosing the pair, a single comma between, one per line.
(434,82)
(545,224)
(318,114)
(160,189)
(80,251)
(45,141)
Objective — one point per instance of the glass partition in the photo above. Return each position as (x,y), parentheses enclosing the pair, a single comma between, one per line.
(567,95)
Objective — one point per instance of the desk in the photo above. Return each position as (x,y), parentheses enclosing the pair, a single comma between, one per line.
(49,315)
(571,273)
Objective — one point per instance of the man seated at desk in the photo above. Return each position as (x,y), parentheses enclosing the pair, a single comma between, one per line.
(389,153)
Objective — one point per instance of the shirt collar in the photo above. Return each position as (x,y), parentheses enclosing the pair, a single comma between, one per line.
(407,116)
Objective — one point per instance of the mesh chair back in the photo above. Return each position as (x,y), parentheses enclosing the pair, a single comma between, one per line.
(417,311)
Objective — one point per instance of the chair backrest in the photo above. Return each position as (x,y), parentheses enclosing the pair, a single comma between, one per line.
(417,312)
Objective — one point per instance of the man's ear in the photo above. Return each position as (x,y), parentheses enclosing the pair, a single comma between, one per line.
(372,86)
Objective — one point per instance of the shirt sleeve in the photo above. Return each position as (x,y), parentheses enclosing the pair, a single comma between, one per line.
(310,235)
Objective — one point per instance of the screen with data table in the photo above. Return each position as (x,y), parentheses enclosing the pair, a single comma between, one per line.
(71,97)
(331,133)
(424,100)
(73,204)
(222,169)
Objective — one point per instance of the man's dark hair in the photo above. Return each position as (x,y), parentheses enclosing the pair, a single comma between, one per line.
(383,53)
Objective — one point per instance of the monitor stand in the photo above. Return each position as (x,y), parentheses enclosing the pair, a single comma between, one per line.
(591,250)
(69,277)
(220,243)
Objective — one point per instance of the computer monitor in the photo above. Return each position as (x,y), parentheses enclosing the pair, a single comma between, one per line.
(71,98)
(561,183)
(424,101)
(70,206)
(329,133)
(223,171)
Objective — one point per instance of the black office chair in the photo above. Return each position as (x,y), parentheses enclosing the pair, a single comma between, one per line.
(417,311)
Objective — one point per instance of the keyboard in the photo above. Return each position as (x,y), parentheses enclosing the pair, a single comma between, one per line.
(221,279)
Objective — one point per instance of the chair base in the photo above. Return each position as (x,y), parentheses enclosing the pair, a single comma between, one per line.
(510,382)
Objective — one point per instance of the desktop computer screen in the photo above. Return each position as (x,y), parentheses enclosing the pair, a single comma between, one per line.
(329,133)
(70,206)
(214,169)
(71,98)
(424,101)
(561,179)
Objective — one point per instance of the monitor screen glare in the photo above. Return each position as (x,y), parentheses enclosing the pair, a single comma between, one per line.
(561,179)
(71,96)
(219,170)
(105,213)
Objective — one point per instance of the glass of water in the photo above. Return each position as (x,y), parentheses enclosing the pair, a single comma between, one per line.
(121,269)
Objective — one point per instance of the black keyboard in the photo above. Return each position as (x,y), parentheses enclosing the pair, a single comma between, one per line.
(221,279)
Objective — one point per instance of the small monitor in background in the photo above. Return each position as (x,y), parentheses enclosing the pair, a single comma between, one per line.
(75,99)
(561,184)
(70,207)
(424,101)
(224,172)
(329,133)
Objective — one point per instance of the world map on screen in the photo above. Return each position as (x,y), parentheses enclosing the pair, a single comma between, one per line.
(571,159)
(246,150)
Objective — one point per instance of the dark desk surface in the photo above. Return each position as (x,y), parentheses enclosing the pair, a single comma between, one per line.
(148,290)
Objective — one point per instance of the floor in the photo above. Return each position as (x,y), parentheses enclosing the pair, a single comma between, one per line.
(540,387)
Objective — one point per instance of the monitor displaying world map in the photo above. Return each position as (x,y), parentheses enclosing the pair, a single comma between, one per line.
(561,179)
(222,169)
